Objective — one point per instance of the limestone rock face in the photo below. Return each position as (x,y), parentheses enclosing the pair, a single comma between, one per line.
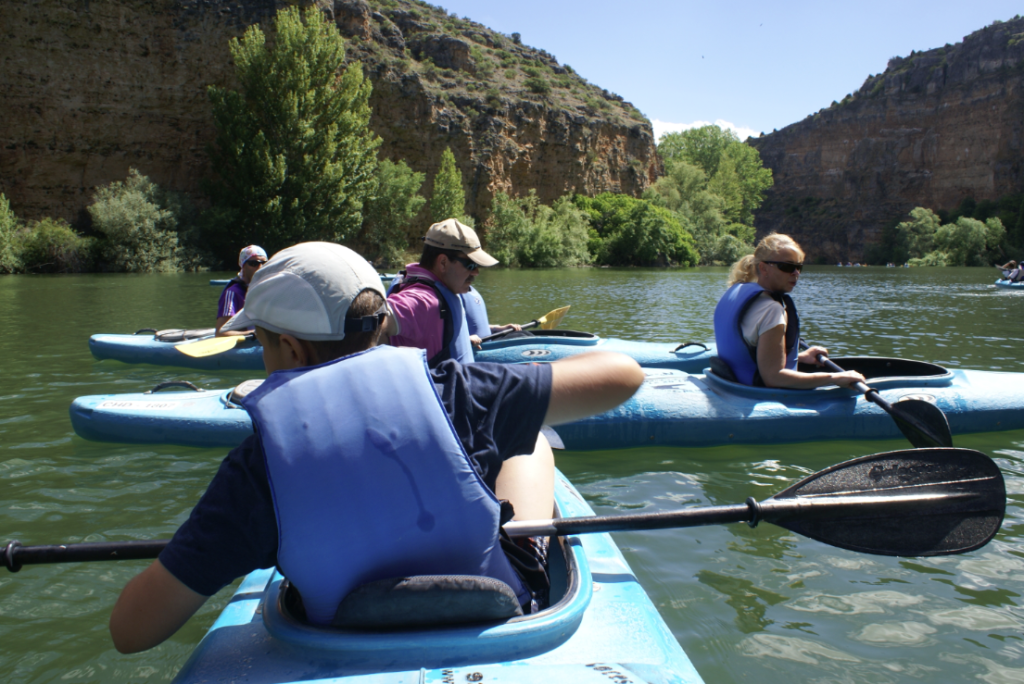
(934,128)
(91,88)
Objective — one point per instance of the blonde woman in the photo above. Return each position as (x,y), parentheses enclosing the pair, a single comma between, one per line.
(756,325)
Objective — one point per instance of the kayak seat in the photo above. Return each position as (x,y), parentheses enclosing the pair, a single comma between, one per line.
(721,369)
(418,601)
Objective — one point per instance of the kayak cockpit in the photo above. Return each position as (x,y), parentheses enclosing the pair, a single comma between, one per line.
(882,373)
(572,338)
(484,640)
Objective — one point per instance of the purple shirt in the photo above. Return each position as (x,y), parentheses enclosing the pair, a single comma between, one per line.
(419,313)
(232,299)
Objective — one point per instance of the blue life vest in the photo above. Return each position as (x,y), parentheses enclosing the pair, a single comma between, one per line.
(476,313)
(455,342)
(370,480)
(733,349)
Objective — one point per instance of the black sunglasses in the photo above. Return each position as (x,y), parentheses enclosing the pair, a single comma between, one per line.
(254,262)
(785,266)
(470,265)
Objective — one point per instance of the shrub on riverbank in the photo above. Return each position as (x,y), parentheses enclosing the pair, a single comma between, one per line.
(625,231)
(10,260)
(139,224)
(52,246)
(524,232)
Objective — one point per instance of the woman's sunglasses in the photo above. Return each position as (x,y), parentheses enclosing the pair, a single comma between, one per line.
(256,263)
(468,264)
(785,266)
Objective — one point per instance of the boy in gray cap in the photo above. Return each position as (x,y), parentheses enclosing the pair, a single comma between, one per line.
(364,464)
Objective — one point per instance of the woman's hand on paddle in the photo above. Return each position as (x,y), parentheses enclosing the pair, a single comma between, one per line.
(810,355)
(847,378)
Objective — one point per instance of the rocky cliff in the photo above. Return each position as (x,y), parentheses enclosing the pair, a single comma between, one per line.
(934,128)
(90,88)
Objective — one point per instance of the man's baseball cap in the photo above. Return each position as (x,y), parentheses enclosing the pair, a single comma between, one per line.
(455,235)
(305,290)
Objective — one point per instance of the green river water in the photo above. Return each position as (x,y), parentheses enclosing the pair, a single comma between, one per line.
(747,604)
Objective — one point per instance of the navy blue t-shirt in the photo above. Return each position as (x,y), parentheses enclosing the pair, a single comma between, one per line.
(497,411)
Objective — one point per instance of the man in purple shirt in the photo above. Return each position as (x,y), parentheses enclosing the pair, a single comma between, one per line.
(232,299)
(426,299)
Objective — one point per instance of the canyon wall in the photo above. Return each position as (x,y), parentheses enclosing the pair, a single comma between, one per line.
(91,88)
(934,128)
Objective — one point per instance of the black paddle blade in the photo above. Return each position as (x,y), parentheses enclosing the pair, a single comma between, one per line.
(919,502)
(923,424)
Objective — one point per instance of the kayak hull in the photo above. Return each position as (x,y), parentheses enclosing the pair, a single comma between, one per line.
(672,408)
(680,409)
(554,345)
(605,628)
(247,355)
(1009,285)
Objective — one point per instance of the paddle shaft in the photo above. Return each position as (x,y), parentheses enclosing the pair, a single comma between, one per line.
(531,324)
(15,555)
(870,394)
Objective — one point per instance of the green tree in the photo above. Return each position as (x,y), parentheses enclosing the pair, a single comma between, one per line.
(294,154)
(10,259)
(918,234)
(391,210)
(140,231)
(448,200)
(702,146)
(713,184)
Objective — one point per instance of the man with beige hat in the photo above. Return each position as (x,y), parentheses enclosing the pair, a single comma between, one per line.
(426,299)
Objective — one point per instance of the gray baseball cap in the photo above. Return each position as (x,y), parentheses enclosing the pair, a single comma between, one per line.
(305,290)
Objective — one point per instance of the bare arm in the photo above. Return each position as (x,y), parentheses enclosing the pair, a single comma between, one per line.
(151,608)
(771,364)
(591,383)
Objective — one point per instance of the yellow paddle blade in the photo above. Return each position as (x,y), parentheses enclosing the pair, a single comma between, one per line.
(550,321)
(210,346)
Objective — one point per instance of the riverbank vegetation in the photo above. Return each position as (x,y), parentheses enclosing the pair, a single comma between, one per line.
(973,234)
(295,160)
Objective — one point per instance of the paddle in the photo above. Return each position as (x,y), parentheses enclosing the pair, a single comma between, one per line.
(921,502)
(922,423)
(548,321)
(212,345)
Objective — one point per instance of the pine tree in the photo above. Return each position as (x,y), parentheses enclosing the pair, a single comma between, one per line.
(294,153)
(448,199)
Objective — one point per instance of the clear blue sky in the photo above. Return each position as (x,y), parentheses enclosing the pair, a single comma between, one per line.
(756,65)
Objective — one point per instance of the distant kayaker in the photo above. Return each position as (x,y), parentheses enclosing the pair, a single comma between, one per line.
(426,297)
(476,318)
(232,299)
(757,329)
(365,464)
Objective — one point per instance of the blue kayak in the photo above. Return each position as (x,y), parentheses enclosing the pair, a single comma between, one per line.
(158,348)
(601,627)
(1002,282)
(551,345)
(672,408)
